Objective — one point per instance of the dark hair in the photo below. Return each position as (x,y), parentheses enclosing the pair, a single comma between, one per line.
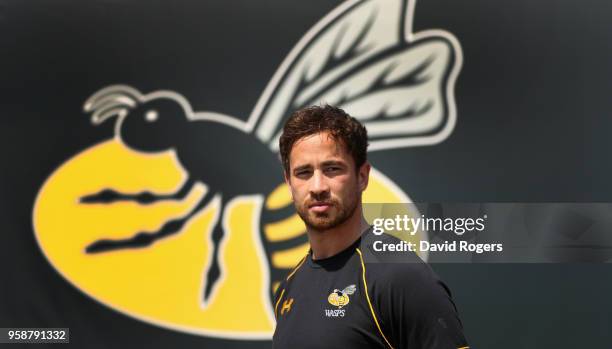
(312,120)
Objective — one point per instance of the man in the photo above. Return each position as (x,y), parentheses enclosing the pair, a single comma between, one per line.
(337,297)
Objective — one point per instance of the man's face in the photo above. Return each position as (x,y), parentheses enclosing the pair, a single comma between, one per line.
(325,186)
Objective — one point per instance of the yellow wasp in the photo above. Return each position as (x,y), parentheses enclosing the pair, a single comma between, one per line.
(341,298)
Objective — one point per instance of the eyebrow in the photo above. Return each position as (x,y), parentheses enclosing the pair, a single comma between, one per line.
(325,163)
(333,162)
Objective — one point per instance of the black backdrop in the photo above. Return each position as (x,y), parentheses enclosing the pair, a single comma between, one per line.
(533,126)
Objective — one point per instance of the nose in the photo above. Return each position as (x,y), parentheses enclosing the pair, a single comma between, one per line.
(318,185)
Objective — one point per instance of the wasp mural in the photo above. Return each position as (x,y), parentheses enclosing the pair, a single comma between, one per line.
(170,222)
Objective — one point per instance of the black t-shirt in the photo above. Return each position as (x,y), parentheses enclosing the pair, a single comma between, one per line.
(360,298)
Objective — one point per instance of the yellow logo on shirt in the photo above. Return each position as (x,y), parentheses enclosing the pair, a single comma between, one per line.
(341,298)
(286,306)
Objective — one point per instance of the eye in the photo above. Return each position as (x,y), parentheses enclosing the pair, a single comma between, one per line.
(302,173)
(333,169)
(151,116)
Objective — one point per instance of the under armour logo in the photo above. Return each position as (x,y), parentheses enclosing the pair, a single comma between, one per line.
(286,305)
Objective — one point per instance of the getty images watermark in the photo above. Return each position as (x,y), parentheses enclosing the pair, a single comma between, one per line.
(492,232)
(413,225)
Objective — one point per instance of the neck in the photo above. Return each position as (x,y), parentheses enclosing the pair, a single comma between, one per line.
(327,243)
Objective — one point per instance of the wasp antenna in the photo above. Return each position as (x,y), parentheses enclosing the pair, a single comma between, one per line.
(100,116)
(124,91)
(113,99)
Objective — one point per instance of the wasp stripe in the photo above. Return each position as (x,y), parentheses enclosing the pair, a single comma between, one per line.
(280,197)
(285,229)
(275,285)
(287,258)
(365,285)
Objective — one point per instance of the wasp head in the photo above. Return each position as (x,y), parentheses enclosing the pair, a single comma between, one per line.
(150,123)
(154,125)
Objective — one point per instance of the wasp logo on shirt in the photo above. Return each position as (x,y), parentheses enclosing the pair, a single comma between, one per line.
(182,212)
(339,298)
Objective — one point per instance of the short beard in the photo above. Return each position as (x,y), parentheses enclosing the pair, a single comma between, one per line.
(322,222)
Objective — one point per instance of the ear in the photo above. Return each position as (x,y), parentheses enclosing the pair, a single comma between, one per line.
(363,176)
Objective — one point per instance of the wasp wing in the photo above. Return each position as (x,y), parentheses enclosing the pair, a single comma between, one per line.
(349,35)
(363,58)
(400,96)
(349,290)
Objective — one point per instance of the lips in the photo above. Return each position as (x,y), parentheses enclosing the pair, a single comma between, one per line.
(319,203)
(320,206)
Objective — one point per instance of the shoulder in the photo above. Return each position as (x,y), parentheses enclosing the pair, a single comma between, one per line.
(402,278)
(282,285)
(414,306)
(400,268)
